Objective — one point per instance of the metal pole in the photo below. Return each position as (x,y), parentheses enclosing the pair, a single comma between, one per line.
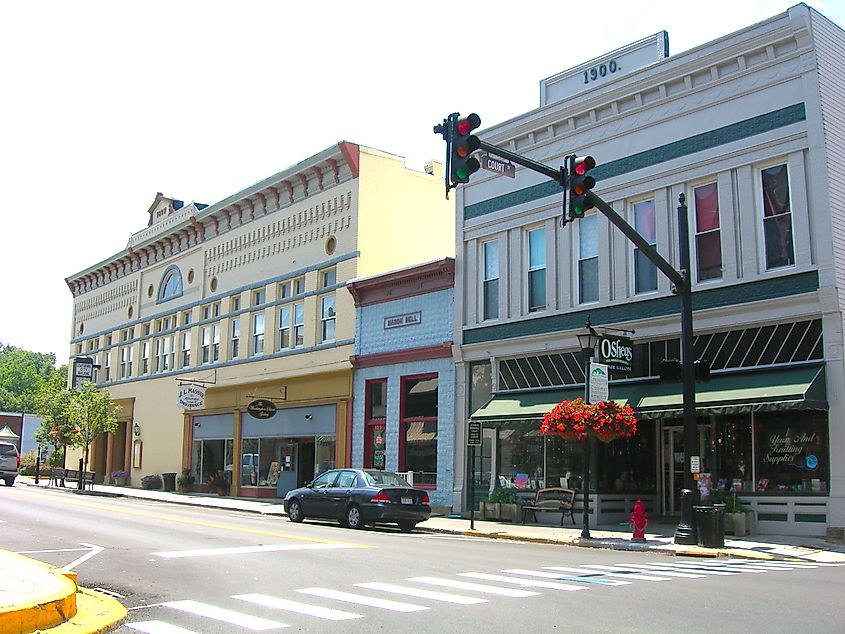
(585,485)
(472,488)
(686,529)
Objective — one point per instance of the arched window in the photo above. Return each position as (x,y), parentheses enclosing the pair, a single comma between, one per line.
(171,284)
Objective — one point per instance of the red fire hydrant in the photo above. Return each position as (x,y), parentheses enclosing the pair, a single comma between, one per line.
(638,521)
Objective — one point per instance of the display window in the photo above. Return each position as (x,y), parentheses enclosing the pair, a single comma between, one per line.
(792,452)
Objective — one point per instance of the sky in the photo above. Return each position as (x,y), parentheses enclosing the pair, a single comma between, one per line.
(103,104)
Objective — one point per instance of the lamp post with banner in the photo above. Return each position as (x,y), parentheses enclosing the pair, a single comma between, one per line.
(588,340)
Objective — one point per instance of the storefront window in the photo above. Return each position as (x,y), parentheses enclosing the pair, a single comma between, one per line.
(418,438)
(792,452)
(728,453)
(324,453)
(527,460)
(210,457)
(627,464)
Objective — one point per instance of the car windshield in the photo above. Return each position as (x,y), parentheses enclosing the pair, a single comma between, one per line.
(385,479)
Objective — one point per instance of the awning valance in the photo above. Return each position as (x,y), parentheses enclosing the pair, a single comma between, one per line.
(770,390)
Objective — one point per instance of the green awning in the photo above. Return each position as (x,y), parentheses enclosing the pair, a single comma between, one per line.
(771,390)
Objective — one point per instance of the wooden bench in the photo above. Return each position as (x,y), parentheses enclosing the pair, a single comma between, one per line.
(73,475)
(556,500)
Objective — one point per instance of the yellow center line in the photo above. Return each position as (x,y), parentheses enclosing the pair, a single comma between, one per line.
(203,524)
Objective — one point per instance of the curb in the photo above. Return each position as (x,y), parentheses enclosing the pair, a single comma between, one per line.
(47,611)
(96,613)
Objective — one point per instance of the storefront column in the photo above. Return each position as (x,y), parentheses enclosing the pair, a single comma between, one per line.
(460,493)
(236,451)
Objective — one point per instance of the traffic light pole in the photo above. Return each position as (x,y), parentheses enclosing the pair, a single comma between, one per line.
(685,532)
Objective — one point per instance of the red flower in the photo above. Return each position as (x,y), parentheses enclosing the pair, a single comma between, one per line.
(577,420)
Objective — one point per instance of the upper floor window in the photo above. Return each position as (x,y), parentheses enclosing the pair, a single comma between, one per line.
(284,290)
(205,345)
(186,349)
(645,272)
(537,269)
(215,343)
(235,303)
(490,282)
(284,328)
(215,309)
(145,357)
(327,318)
(234,346)
(299,286)
(777,217)
(328,278)
(258,333)
(259,297)
(186,318)
(588,259)
(171,284)
(298,325)
(708,235)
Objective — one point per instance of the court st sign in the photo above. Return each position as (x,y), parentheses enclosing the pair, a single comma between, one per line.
(616,352)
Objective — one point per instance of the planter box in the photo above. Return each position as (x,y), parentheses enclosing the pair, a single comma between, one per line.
(740,524)
(491,510)
(120,481)
(509,513)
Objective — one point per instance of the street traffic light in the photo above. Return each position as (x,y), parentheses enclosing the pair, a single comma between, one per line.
(579,184)
(463,165)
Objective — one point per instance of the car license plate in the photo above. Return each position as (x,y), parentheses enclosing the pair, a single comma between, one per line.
(407,500)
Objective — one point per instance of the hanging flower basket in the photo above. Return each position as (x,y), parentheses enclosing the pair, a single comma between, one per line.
(577,420)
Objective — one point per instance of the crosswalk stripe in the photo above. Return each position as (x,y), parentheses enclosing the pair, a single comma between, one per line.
(528,583)
(580,578)
(665,573)
(421,594)
(474,587)
(756,566)
(614,571)
(227,616)
(785,565)
(158,627)
(361,599)
(299,608)
(243,550)
(705,570)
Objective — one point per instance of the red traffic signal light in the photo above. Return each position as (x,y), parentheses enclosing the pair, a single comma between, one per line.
(463,144)
(580,183)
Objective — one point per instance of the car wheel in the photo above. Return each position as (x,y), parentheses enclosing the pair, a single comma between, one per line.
(407,527)
(295,511)
(9,481)
(353,517)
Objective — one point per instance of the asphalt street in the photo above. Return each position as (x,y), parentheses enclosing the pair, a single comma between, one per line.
(207,570)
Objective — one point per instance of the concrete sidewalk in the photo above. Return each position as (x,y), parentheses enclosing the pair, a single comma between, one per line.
(34,596)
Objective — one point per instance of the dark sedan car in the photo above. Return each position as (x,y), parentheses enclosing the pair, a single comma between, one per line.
(358,497)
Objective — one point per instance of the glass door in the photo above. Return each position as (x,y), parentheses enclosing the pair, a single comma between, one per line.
(672,469)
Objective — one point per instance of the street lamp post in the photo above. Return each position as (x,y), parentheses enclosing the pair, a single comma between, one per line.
(588,340)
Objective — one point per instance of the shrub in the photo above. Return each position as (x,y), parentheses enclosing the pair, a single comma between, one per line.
(185,480)
(505,496)
(152,482)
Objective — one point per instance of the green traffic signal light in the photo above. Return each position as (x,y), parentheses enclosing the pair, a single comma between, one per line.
(580,183)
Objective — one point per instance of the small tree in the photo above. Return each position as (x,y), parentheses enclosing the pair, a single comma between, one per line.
(53,405)
(91,413)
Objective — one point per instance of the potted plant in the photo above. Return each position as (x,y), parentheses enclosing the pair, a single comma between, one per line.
(738,521)
(119,478)
(185,481)
(219,481)
(152,482)
(501,505)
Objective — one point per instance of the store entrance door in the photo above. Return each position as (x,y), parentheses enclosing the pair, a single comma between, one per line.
(672,469)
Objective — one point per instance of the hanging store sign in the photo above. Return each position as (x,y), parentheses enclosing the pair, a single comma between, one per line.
(474,433)
(616,352)
(261,408)
(191,397)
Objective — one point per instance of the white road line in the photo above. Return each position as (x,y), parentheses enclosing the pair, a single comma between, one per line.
(95,550)
(756,566)
(241,550)
(600,578)
(474,587)
(158,627)
(665,573)
(704,570)
(614,571)
(299,608)
(526,583)
(227,616)
(360,599)
(782,565)
(421,594)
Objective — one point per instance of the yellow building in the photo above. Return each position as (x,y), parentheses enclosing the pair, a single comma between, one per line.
(247,299)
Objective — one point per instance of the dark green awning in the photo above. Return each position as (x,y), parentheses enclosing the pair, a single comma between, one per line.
(771,390)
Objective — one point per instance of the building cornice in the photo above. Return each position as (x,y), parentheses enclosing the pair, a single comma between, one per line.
(425,353)
(428,277)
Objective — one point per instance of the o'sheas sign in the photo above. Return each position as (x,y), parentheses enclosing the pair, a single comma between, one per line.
(616,352)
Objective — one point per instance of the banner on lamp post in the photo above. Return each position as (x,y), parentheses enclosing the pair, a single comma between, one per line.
(598,383)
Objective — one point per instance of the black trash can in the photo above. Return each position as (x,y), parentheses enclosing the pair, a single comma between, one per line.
(710,522)
(169,481)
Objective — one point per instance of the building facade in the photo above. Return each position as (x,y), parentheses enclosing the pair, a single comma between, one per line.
(404,386)
(749,128)
(246,300)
